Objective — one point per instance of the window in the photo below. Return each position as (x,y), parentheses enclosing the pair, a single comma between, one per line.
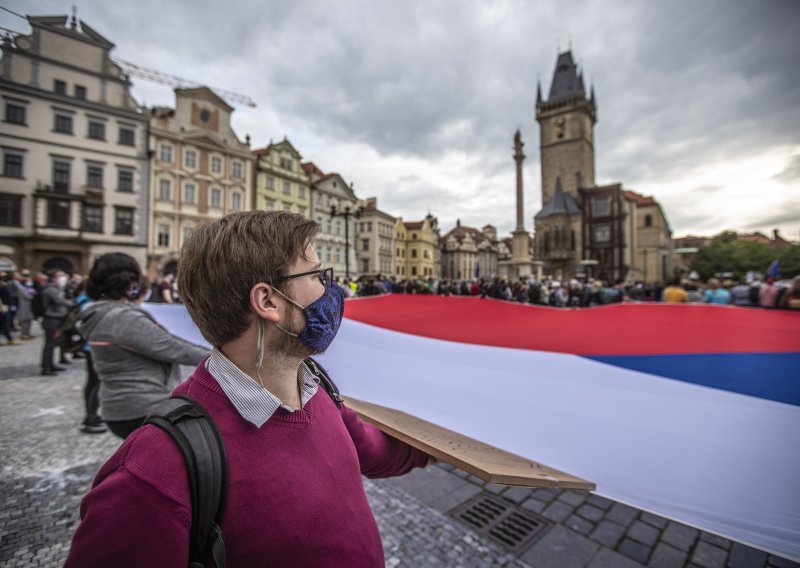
(236,202)
(165,153)
(301,192)
(61,175)
(601,207)
(303,211)
(602,233)
(426,254)
(127,136)
(270,183)
(365,266)
(190,159)
(216,164)
(414,236)
(413,271)
(164,190)
(270,205)
(327,254)
(287,188)
(12,164)
(237,169)
(15,114)
(286,163)
(287,207)
(10,210)
(648,220)
(216,198)
(413,253)
(365,244)
(60,87)
(163,234)
(93,218)
(94,176)
(123,220)
(188,193)
(369,227)
(80,92)
(97,130)
(58,213)
(187,232)
(63,124)
(338,227)
(125,180)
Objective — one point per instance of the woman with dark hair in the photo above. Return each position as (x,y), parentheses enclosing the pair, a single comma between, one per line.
(137,360)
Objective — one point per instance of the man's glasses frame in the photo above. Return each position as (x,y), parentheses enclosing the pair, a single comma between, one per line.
(325,276)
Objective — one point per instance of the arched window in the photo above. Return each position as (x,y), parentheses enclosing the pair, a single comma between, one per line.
(648,220)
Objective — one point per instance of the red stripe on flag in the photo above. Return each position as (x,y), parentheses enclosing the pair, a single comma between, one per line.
(624,329)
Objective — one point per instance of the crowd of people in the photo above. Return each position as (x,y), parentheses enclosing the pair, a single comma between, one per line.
(767,293)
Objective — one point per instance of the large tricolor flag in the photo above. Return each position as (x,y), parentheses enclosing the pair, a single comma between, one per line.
(689,411)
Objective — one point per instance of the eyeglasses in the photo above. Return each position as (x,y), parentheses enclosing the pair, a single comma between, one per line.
(325,276)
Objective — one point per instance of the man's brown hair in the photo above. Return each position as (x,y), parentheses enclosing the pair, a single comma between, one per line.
(222,260)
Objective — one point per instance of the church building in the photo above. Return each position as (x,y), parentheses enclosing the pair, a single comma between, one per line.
(583,229)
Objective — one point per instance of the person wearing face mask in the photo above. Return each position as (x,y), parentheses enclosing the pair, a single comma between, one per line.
(54,308)
(137,360)
(257,291)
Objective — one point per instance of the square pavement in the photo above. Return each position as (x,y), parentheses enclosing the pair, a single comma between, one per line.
(47,465)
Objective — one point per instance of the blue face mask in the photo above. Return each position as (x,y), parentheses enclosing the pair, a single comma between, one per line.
(323,318)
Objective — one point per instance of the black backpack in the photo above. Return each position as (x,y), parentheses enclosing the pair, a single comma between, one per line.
(198,438)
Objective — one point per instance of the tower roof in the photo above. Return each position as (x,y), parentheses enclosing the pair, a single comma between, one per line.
(567,79)
(561,204)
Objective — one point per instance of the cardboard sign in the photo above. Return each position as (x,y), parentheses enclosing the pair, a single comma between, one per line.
(481,460)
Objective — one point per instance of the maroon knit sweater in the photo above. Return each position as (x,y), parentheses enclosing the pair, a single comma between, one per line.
(295,495)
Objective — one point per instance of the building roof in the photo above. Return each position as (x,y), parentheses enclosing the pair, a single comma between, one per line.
(561,204)
(758,237)
(311,169)
(567,79)
(640,199)
(460,233)
(203,93)
(413,226)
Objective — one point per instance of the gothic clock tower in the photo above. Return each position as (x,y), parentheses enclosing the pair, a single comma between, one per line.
(566,122)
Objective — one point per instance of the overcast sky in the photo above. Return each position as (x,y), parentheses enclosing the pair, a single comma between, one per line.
(417,102)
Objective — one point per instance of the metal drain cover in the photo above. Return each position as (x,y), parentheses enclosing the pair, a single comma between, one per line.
(510,527)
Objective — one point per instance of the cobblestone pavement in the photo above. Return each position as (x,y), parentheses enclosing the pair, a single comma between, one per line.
(47,465)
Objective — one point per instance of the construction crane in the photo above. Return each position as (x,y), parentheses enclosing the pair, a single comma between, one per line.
(156,76)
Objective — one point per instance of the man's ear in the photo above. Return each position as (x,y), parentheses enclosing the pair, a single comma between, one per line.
(262,302)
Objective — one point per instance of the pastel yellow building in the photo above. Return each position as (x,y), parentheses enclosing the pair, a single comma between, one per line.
(416,245)
(281,184)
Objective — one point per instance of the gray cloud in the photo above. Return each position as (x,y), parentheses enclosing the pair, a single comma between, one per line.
(679,84)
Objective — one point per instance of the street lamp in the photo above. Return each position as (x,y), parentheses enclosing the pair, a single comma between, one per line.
(346,213)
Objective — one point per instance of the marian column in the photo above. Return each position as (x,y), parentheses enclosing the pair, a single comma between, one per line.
(521,262)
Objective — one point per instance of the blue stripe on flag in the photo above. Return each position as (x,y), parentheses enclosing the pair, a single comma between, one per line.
(773,376)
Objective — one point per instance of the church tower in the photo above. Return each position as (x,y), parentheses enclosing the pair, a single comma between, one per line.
(566,122)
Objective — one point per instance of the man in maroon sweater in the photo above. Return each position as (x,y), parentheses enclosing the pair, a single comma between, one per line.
(254,286)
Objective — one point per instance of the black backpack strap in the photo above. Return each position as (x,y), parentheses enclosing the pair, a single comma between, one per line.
(198,438)
(325,381)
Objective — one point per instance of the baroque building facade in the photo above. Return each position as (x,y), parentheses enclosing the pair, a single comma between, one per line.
(375,243)
(469,253)
(200,171)
(416,244)
(334,207)
(281,182)
(75,174)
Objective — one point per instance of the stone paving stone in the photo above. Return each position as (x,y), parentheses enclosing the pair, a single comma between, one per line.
(607,558)
(709,556)
(533,505)
(745,557)
(460,473)
(446,466)
(476,480)
(654,520)
(781,562)
(599,502)
(666,556)
(715,540)
(517,494)
(590,513)
(573,498)
(579,525)
(643,533)
(622,514)
(608,533)
(456,498)
(561,548)
(429,484)
(494,489)
(557,511)
(544,495)
(635,550)
(680,536)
